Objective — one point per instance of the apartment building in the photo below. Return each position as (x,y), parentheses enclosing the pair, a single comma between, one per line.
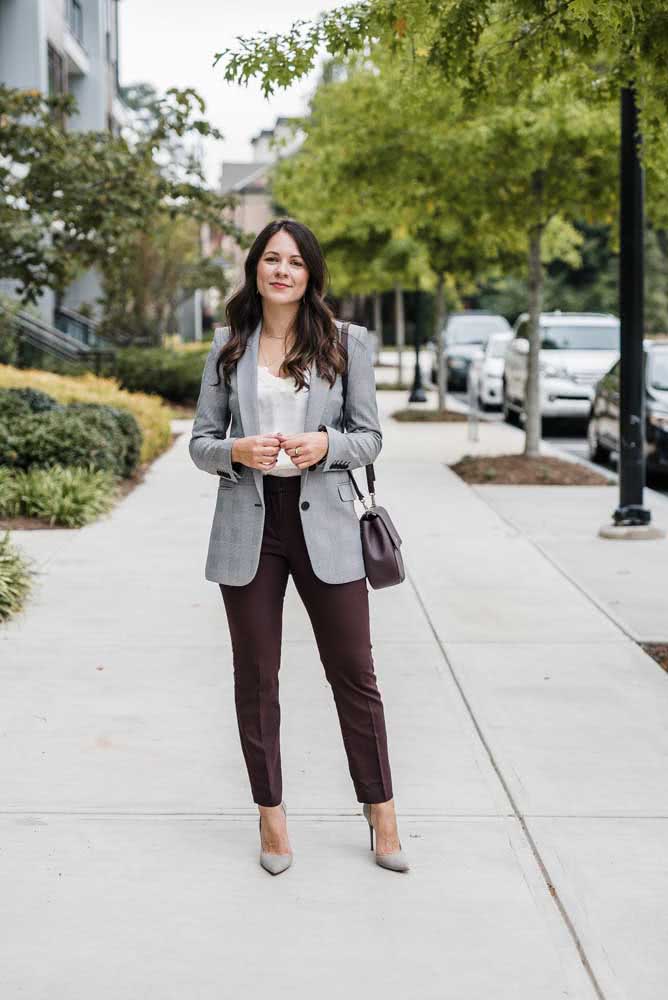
(65,46)
(59,46)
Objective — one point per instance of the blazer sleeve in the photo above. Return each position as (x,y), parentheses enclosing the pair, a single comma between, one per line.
(210,447)
(362,441)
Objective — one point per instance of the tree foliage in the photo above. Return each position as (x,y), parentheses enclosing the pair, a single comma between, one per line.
(73,200)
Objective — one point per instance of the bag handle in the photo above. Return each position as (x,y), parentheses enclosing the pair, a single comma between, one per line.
(370,474)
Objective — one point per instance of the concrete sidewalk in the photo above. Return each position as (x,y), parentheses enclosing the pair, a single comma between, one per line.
(527,739)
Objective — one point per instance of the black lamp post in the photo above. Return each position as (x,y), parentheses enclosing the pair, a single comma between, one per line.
(632,394)
(417,393)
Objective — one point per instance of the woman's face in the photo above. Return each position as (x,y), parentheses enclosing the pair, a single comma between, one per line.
(282,276)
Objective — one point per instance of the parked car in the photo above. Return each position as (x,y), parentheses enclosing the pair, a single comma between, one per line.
(603,425)
(576,349)
(464,336)
(485,379)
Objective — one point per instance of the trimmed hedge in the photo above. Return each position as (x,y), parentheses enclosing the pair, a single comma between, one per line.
(14,579)
(36,400)
(121,427)
(151,413)
(42,440)
(174,375)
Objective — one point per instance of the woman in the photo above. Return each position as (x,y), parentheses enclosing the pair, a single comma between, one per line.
(286,506)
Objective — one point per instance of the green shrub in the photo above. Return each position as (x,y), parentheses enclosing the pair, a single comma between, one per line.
(69,497)
(174,375)
(37,401)
(57,437)
(12,407)
(121,428)
(133,439)
(14,579)
(151,412)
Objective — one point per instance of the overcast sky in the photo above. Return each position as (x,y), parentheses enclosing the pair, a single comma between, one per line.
(172,44)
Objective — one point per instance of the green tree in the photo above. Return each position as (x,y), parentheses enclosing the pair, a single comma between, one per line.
(511,60)
(76,200)
(157,271)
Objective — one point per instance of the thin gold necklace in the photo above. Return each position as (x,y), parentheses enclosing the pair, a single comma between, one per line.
(268,367)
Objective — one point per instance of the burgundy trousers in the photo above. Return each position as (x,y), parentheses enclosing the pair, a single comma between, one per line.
(339,614)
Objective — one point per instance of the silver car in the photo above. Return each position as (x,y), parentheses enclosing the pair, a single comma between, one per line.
(464,337)
(486,372)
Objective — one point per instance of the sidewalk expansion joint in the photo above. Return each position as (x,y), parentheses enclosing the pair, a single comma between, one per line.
(517,814)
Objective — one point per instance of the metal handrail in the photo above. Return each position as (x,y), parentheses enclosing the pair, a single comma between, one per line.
(49,338)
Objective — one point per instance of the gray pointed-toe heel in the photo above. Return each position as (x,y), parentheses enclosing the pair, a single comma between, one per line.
(274,863)
(397,861)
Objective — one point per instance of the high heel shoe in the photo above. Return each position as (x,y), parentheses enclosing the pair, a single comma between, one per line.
(274,863)
(397,861)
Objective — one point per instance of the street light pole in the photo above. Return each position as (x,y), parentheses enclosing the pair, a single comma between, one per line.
(632,394)
(417,393)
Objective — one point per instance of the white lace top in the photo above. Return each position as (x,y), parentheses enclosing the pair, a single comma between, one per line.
(280,408)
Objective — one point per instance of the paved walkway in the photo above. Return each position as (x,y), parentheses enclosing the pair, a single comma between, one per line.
(528,742)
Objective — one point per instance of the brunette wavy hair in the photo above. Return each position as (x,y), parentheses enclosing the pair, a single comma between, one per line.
(316,334)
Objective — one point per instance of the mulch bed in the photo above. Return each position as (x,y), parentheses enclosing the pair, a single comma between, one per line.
(124,487)
(448,416)
(519,470)
(658,651)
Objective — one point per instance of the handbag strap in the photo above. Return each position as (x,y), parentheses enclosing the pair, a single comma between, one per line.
(370,474)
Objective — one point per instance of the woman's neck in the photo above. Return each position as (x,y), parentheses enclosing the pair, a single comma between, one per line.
(278,319)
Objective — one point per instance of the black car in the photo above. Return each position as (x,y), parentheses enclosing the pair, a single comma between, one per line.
(603,425)
(464,337)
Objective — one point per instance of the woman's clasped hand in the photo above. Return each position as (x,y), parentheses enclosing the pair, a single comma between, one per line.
(260,451)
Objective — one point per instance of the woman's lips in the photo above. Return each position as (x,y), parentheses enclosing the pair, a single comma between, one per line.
(278,284)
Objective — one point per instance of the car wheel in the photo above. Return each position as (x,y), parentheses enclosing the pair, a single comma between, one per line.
(597,453)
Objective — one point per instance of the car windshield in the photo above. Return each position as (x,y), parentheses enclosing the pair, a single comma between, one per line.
(580,338)
(474,329)
(658,369)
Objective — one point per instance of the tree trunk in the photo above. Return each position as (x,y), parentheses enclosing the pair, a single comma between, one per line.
(378,316)
(439,323)
(532,390)
(400,327)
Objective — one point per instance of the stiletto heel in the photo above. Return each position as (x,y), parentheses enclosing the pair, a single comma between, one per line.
(274,863)
(397,861)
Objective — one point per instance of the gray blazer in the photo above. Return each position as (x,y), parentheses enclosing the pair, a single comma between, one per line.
(326,498)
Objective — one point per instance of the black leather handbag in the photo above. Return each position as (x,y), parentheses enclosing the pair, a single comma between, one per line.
(383,563)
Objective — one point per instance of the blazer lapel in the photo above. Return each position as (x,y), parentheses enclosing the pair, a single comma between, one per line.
(247,395)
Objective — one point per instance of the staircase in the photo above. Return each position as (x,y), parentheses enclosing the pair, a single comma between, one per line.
(73,338)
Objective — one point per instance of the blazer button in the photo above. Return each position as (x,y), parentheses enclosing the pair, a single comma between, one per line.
(305,505)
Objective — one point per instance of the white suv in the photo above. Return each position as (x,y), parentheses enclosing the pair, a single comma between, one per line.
(576,350)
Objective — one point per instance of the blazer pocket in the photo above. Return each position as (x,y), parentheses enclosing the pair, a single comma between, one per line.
(346,491)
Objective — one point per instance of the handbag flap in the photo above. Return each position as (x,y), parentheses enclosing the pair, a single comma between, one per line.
(387,521)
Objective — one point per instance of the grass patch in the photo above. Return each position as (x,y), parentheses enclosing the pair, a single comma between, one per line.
(519,470)
(67,497)
(415,415)
(14,579)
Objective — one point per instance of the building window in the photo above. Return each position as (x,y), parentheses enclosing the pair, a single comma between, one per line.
(57,80)
(74,14)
